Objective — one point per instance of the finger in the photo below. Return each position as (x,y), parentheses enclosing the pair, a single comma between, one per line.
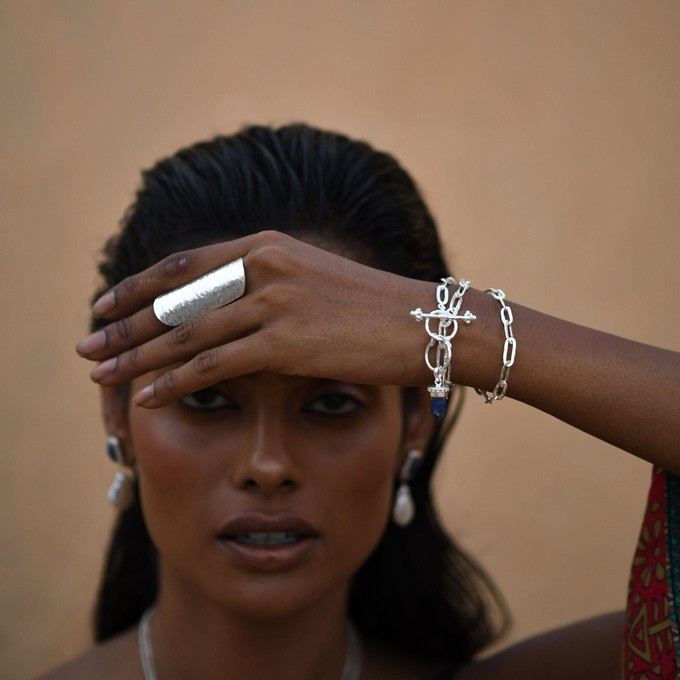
(139,290)
(143,325)
(121,335)
(263,251)
(241,357)
(178,344)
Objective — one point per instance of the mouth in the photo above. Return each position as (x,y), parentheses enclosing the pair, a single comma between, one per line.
(268,542)
(262,529)
(267,538)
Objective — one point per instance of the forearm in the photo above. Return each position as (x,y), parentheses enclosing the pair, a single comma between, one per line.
(623,392)
(312,313)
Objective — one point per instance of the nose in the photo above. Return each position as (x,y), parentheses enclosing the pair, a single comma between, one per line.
(266,461)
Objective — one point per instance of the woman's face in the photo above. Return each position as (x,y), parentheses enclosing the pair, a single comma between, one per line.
(266,493)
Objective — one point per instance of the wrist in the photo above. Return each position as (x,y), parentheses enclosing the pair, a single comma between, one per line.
(479,350)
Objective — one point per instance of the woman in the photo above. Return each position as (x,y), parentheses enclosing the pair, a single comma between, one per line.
(280,526)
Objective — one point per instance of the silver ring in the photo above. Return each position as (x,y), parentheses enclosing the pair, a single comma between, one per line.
(204,294)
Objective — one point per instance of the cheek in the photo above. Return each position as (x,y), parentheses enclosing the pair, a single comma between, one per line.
(371,481)
(175,474)
(363,491)
(161,452)
(371,505)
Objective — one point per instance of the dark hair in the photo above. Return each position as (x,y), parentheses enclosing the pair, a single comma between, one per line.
(418,591)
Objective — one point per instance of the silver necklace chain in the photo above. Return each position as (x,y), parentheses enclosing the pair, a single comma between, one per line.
(351,670)
(145,647)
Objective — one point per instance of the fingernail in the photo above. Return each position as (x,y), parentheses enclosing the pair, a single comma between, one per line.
(144,396)
(105,304)
(102,370)
(91,344)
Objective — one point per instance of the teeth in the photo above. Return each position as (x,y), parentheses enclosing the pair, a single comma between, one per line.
(269,538)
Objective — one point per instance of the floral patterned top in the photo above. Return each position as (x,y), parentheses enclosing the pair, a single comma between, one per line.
(650,647)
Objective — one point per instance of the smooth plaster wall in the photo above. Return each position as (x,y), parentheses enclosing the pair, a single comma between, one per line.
(545,136)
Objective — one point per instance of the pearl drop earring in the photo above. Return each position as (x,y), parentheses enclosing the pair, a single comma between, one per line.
(404,508)
(122,489)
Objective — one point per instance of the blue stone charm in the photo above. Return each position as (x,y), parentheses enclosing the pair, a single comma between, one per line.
(438,407)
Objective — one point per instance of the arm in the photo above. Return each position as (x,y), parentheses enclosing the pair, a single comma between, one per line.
(309,312)
(623,392)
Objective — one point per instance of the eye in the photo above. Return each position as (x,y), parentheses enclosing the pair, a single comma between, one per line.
(335,404)
(209,399)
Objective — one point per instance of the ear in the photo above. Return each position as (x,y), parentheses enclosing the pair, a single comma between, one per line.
(418,423)
(114,404)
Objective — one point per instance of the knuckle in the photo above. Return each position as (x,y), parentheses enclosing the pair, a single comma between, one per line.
(206,363)
(167,383)
(267,236)
(131,359)
(272,261)
(128,286)
(272,258)
(122,328)
(271,340)
(181,335)
(175,265)
(275,300)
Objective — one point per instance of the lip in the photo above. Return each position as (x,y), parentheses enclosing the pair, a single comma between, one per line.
(268,557)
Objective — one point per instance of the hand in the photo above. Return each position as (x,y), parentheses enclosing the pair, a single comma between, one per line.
(305,312)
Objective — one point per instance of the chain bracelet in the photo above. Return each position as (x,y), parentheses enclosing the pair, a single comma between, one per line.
(509,349)
(438,349)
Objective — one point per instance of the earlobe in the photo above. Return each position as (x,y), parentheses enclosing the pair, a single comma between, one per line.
(122,490)
(419,423)
(118,446)
(114,404)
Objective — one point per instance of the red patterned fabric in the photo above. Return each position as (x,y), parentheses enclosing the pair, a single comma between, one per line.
(648,650)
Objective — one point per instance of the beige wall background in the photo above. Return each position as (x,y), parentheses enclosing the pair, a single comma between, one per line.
(545,136)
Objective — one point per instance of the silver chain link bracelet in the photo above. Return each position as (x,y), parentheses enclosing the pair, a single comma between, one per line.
(509,349)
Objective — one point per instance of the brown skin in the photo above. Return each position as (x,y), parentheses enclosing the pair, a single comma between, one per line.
(298,318)
(323,451)
(587,650)
(272,444)
(119,658)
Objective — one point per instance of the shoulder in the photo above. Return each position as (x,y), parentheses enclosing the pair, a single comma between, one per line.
(588,650)
(113,659)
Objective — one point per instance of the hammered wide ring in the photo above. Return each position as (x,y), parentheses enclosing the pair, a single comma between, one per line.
(204,294)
